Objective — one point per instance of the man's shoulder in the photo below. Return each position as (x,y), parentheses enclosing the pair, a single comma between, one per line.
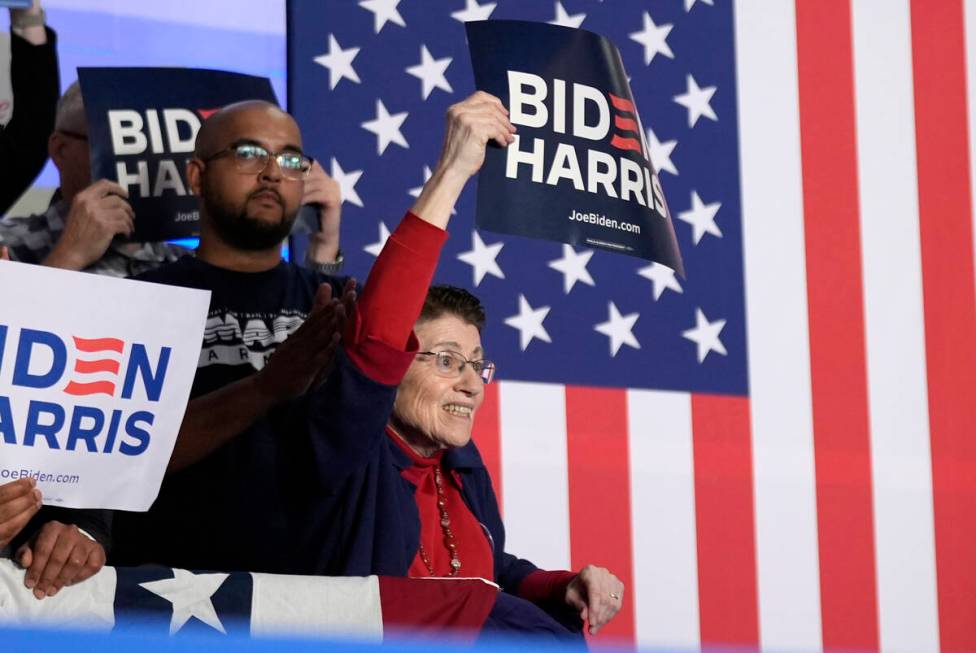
(29,237)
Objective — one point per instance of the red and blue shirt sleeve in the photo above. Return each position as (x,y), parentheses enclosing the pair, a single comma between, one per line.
(379,336)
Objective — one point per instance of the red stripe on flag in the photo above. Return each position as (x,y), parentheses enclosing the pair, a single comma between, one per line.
(836,318)
(941,138)
(85,389)
(627,124)
(98,344)
(597,453)
(727,586)
(91,367)
(487,435)
(621,104)
(625,143)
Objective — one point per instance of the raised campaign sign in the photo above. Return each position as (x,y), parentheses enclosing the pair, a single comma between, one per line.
(579,171)
(142,126)
(95,375)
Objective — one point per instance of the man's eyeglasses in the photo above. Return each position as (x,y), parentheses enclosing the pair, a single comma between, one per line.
(252,158)
(450,364)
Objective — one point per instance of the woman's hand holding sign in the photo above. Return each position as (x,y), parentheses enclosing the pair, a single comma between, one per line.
(19,501)
(471,125)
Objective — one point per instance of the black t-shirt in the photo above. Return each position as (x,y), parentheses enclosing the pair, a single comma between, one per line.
(227,512)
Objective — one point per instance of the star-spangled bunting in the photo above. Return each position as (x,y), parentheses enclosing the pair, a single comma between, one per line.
(372,81)
(191,596)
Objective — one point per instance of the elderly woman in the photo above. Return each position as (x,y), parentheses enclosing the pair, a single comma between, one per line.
(397,486)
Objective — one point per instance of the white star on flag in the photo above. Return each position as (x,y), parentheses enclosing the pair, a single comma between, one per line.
(473,11)
(565,19)
(339,62)
(347,183)
(377,247)
(573,267)
(691,3)
(701,217)
(384,11)
(529,322)
(415,192)
(619,329)
(705,335)
(191,596)
(481,258)
(387,128)
(662,277)
(696,100)
(654,38)
(661,153)
(430,72)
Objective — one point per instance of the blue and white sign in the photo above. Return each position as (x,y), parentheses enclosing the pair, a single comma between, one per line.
(579,171)
(142,128)
(95,375)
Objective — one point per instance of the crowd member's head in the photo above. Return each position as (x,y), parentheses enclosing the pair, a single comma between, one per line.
(248,169)
(442,390)
(68,144)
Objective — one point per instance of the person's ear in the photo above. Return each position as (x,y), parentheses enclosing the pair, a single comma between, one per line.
(194,175)
(55,148)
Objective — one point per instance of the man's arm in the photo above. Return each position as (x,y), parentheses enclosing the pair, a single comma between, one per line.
(298,364)
(322,192)
(35,84)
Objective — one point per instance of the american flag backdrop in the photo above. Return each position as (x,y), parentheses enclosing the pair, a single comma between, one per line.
(780,450)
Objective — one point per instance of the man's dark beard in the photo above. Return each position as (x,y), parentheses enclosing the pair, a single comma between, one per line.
(241,231)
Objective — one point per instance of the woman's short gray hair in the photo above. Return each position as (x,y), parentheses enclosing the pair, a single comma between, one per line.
(451,300)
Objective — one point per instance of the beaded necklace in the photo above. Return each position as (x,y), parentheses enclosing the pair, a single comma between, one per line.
(449,541)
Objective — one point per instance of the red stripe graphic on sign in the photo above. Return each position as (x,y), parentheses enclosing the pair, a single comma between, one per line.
(94,388)
(92,367)
(941,137)
(625,143)
(627,124)
(836,321)
(487,435)
(597,453)
(90,345)
(622,104)
(727,586)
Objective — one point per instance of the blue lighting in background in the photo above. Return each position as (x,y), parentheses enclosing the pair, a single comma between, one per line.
(193,243)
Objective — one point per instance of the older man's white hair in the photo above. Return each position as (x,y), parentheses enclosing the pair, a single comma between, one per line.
(70,116)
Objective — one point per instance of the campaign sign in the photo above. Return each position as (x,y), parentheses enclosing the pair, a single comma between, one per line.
(142,128)
(95,374)
(579,171)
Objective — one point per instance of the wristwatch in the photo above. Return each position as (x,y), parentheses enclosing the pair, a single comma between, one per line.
(325,268)
(22,19)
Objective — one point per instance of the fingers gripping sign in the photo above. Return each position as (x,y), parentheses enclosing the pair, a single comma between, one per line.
(19,501)
(471,125)
(97,215)
(59,555)
(597,594)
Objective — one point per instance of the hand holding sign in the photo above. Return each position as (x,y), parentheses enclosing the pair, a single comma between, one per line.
(471,125)
(19,501)
(97,215)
